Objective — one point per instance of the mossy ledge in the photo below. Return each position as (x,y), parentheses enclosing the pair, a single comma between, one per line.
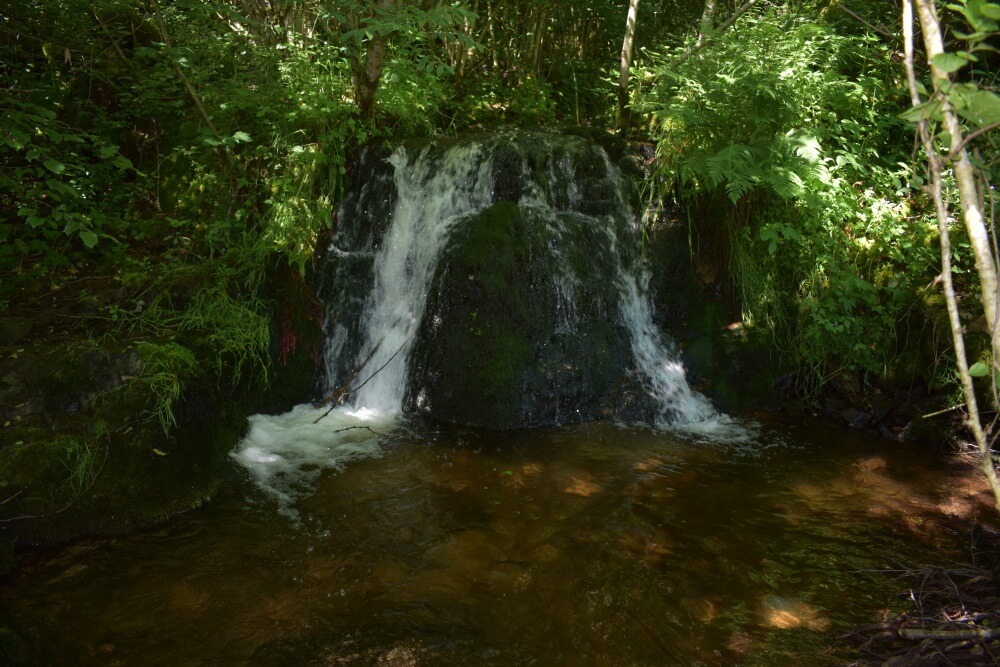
(82,452)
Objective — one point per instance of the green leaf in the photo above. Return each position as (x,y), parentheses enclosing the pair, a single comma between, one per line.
(89,238)
(982,107)
(990,11)
(949,62)
(54,166)
(241,136)
(979,369)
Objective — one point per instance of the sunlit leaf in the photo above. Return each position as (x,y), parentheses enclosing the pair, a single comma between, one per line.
(54,166)
(979,369)
(982,107)
(949,62)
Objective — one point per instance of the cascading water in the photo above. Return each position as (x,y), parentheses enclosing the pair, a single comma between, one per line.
(557,193)
(431,196)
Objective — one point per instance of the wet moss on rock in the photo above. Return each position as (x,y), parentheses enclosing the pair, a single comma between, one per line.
(490,351)
(92,479)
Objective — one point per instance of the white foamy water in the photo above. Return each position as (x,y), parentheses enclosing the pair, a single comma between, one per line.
(284,454)
(663,373)
(432,196)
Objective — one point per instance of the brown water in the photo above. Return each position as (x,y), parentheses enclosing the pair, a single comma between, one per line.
(591,545)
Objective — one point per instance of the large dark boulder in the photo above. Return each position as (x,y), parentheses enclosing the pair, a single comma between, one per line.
(522,325)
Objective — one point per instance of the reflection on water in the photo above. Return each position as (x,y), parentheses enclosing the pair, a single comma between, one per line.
(593,545)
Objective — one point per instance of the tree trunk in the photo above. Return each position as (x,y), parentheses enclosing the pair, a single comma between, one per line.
(972,216)
(368,73)
(493,38)
(707,21)
(626,62)
(704,39)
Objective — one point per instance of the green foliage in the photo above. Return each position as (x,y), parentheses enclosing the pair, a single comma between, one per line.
(494,101)
(787,120)
(62,184)
(166,369)
(972,93)
(221,322)
(83,459)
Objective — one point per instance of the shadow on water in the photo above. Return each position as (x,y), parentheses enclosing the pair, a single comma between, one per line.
(596,544)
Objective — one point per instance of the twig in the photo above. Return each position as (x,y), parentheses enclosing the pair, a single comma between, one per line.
(984,634)
(968,139)
(12,497)
(941,412)
(340,391)
(195,97)
(351,428)
(366,381)
(737,13)
(382,366)
(881,31)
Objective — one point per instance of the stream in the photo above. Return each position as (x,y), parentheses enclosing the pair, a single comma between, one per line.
(595,544)
(499,282)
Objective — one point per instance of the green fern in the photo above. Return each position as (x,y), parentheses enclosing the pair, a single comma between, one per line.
(784,119)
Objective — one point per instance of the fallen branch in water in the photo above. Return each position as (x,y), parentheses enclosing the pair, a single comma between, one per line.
(950,635)
(341,391)
(335,398)
(351,428)
(955,613)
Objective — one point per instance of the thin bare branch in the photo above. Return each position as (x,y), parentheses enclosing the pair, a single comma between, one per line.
(380,368)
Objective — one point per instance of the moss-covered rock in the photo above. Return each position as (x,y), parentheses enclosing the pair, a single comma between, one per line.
(497,347)
(83,443)
(296,328)
(103,472)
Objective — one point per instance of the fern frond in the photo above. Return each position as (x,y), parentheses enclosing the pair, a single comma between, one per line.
(785,182)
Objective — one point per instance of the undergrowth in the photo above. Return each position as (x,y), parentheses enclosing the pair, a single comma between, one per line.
(782,132)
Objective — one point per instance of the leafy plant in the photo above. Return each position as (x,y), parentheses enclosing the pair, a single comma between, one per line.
(166,369)
(783,127)
(62,183)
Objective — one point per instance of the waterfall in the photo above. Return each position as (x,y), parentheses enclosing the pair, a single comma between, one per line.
(664,374)
(431,196)
(387,254)
(437,187)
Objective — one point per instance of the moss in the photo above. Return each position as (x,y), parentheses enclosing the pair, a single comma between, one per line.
(72,476)
(495,308)
(735,366)
(490,351)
